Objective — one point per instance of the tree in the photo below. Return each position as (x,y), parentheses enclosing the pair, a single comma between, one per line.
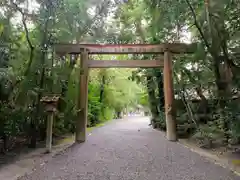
(29,72)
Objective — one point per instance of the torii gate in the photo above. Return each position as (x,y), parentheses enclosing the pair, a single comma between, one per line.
(87,49)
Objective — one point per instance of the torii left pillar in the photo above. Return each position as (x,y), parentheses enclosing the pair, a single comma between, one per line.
(81,124)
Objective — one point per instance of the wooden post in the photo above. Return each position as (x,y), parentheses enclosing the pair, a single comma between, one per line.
(81,124)
(169,98)
(49,132)
(50,103)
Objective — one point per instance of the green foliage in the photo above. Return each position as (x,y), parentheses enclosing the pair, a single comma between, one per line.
(29,69)
(197,77)
(107,114)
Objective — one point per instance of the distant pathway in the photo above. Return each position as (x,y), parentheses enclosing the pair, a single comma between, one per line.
(129,150)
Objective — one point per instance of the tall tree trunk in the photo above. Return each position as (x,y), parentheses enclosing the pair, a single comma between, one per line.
(101,93)
(44,45)
(221,64)
(159,79)
(152,99)
(102,88)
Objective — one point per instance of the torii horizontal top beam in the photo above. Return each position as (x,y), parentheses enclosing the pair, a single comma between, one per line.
(177,48)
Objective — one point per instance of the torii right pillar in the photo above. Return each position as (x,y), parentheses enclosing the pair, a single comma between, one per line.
(170,111)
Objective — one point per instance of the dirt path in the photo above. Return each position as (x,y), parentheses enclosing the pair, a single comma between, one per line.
(129,150)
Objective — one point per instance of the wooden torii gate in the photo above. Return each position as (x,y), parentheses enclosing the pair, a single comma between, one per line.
(88,49)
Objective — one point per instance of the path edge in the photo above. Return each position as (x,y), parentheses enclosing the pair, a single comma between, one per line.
(59,149)
(223,162)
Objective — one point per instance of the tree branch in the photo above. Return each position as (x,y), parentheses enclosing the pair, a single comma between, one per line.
(198,26)
(29,43)
(183,98)
(214,55)
(24,25)
(92,21)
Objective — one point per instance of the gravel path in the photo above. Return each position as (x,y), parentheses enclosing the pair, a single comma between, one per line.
(129,150)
